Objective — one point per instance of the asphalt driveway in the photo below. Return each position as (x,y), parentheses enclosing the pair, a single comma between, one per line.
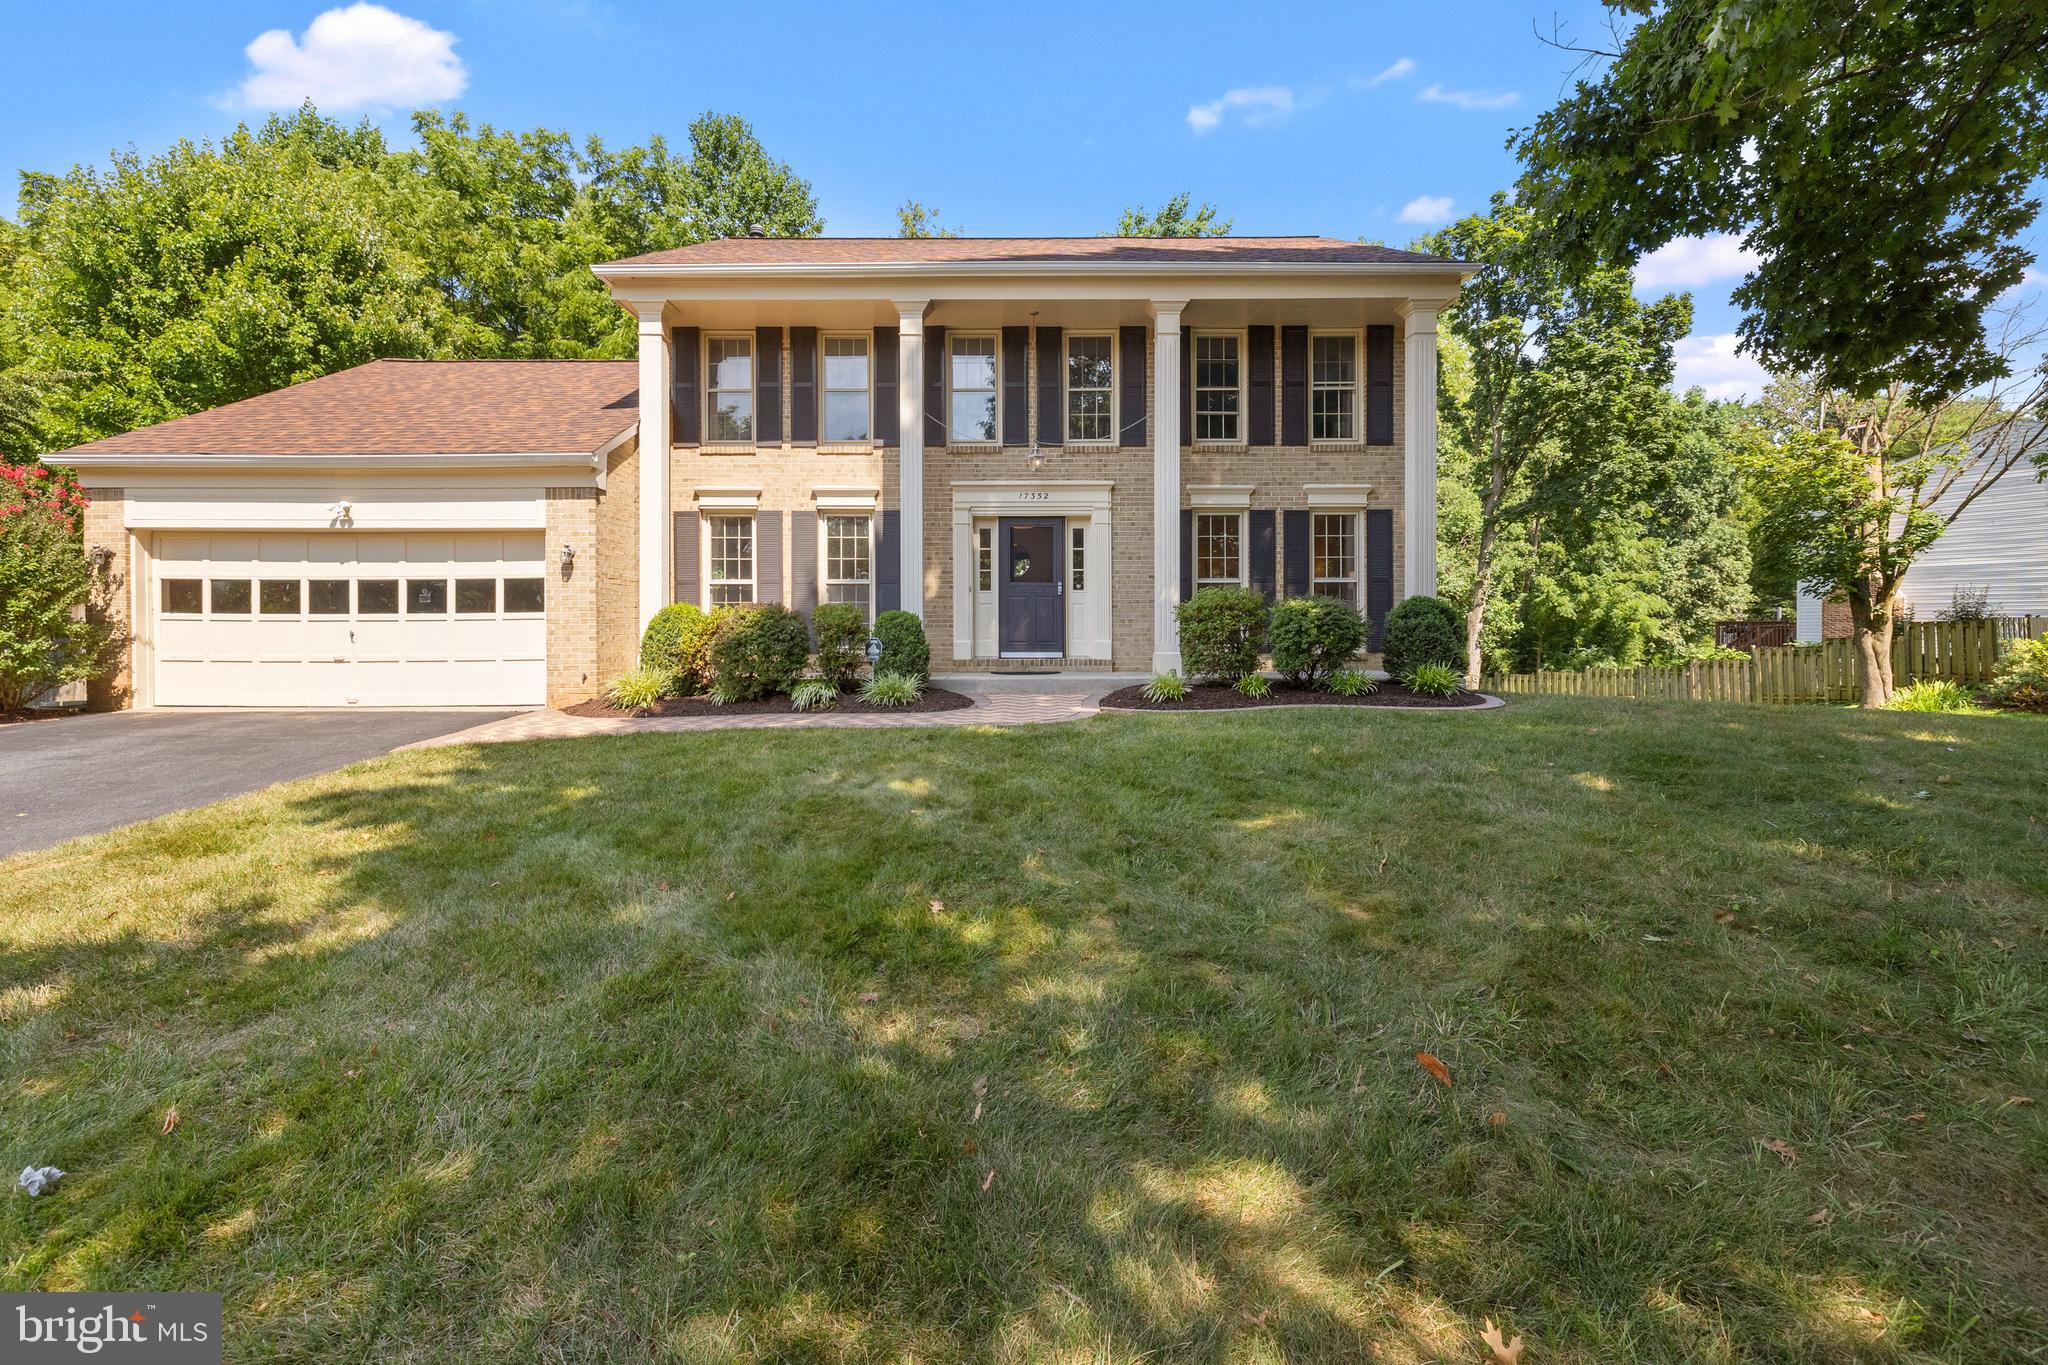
(85,774)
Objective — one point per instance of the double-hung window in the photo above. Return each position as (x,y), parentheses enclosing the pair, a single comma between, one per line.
(1333,387)
(849,562)
(846,389)
(1218,401)
(1091,373)
(971,407)
(730,396)
(1219,548)
(1333,555)
(731,560)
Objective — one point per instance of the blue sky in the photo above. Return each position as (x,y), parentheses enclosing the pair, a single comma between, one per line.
(1375,119)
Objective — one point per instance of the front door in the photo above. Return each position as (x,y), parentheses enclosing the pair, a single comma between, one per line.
(1031,613)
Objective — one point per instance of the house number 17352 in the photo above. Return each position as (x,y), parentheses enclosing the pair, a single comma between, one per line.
(1033,497)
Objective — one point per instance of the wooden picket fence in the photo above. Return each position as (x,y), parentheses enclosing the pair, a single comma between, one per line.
(1964,651)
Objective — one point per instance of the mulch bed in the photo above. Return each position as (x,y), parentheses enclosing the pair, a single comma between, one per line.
(1215,697)
(934,699)
(52,713)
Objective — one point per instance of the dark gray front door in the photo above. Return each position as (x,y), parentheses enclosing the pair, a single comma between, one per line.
(1031,613)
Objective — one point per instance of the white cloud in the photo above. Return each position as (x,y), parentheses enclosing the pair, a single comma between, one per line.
(1405,66)
(1686,262)
(358,57)
(1713,364)
(1256,106)
(1434,93)
(1427,209)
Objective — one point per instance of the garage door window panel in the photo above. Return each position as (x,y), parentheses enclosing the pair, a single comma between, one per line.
(525,596)
(231,596)
(327,597)
(377,597)
(183,596)
(476,595)
(426,597)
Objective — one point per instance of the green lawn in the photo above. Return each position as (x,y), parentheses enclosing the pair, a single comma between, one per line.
(1089,1042)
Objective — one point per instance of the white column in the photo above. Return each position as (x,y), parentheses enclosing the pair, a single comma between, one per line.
(656,572)
(910,448)
(1419,481)
(1165,482)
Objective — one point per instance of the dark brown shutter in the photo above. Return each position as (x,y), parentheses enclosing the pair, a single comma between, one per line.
(887,414)
(1016,386)
(1258,341)
(1187,554)
(1263,548)
(1379,568)
(767,556)
(685,586)
(1052,406)
(803,561)
(1294,532)
(1187,387)
(935,424)
(1294,386)
(768,386)
(1131,386)
(803,386)
(686,403)
(1379,390)
(888,562)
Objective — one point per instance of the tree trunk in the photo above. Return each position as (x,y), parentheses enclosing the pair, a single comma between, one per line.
(1871,615)
(1482,567)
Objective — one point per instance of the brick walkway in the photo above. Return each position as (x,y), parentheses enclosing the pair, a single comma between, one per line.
(1009,706)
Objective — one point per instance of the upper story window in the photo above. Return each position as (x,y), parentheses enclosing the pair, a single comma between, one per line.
(971,400)
(731,556)
(1217,397)
(731,392)
(1091,373)
(846,389)
(1333,387)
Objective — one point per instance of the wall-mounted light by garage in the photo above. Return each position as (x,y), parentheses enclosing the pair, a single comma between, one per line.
(568,558)
(101,558)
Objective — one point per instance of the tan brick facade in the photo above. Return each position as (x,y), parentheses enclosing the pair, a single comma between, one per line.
(106,526)
(787,476)
(573,672)
(618,564)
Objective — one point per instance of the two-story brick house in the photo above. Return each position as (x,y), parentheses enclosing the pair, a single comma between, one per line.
(1038,445)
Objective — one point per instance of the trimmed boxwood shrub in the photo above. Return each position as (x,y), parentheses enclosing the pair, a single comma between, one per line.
(904,648)
(678,645)
(842,631)
(1422,630)
(758,650)
(1221,632)
(1313,637)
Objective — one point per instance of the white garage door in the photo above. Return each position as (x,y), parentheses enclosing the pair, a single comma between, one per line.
(350,619)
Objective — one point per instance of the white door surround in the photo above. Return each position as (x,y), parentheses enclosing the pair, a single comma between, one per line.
(1080,502)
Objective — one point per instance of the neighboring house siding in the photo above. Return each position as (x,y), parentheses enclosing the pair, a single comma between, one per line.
(1806,617)
(2000,542)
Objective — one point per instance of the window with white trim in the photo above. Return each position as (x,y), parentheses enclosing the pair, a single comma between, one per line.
(846,389)
(1218,400)
(985,559)
(971,397)
(1333,387)
(730,542)
(1091,379)
(1077,558)
(1333,555)
(730,394)
(849,562)
(1219,549)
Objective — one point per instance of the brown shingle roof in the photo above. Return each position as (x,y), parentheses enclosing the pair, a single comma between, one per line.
(858,251)
(410,407)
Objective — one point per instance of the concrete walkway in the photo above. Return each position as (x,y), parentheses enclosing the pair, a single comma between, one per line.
(997,701)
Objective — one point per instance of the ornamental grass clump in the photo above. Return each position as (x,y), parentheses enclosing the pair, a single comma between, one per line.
(1352,682)
(814,694)
(1433,680)
(892,689)
(639,689)
(1254,685)
(1167,686)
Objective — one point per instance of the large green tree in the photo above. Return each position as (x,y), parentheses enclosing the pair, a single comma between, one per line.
(914,219)
(161,285)
(1565,376)
(1880,159)
(1173,219)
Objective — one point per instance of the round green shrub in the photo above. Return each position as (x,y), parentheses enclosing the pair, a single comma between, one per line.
(904,648)
(1313,637)
(842,631)
(1422,630)
(758,650)
(2022,677)
(678,645)
(1221,632)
